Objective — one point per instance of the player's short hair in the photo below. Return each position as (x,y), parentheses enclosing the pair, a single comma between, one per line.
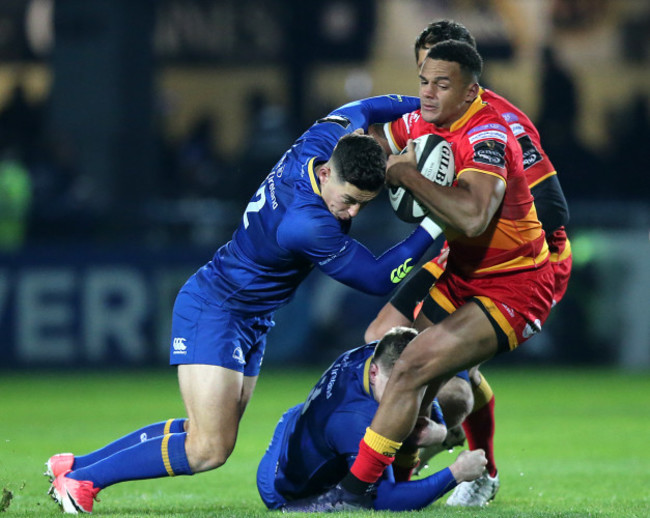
(361,161)
(442,30)
(470,61)
(389,348)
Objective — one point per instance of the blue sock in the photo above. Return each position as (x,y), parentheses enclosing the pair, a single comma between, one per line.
(141,435)
(162,456)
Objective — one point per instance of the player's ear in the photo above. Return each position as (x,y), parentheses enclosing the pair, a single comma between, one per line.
(472,92)
(372,372)
(324,172)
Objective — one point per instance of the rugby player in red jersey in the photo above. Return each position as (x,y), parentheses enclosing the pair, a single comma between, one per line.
(553,213)
(498,285)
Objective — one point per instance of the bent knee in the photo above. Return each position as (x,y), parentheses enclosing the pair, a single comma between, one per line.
(456,401)
(204,454)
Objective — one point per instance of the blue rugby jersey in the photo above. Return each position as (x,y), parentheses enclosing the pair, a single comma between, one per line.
(287,229)
(315,443)
(333,420)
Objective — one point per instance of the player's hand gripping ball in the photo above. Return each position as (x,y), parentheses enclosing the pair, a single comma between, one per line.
(436,162)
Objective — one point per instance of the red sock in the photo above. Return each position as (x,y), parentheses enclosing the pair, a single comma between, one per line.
(479,429)
(369,464)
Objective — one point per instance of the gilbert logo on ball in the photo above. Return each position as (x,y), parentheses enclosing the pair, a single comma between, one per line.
(435,162)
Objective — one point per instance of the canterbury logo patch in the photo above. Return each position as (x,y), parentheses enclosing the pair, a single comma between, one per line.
(398,274)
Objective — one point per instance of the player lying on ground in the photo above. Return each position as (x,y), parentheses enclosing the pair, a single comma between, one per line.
(315,442)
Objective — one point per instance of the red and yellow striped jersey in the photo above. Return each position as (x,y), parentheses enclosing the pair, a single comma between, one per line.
(481,141)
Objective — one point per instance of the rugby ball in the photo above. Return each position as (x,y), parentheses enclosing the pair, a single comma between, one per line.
(435,162)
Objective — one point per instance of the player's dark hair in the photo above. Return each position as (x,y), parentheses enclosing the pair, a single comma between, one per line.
(361,161)
(391,346)
(442,30)
(470,61)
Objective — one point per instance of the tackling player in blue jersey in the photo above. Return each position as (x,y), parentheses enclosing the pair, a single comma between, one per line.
(297,220)
(315,442)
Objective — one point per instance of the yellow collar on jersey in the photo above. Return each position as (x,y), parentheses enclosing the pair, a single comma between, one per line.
(312,176)
(476,105)
(366,375)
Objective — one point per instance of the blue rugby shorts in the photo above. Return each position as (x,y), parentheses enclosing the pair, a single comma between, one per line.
(205,333)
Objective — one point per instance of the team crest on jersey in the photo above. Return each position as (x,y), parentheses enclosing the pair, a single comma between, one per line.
(336,119)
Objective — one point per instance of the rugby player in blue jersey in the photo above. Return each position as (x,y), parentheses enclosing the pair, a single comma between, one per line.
(297,220)
(315,442)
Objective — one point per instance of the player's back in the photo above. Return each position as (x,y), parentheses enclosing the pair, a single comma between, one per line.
(255,272)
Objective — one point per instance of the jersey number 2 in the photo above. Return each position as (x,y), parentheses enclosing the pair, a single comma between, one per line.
(255,205)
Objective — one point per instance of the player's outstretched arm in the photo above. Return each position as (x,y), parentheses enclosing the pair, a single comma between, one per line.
(360,269)
(417,494)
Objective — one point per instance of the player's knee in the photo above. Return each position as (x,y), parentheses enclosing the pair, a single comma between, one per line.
(456,401)
(374,331)
(207,453)
(475,376)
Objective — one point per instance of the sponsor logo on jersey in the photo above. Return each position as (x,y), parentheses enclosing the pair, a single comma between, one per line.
(492,126)
(143,437)
(490,152)
(517,129)
(531,154)
(336,119)
(179,346)
(398,274)
(510,117)
(489,135)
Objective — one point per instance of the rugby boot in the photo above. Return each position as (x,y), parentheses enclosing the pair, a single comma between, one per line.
(72,495)
(57,464)
(334,500)
(477,493)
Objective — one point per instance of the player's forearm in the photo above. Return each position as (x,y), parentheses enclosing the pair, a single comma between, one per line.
(551,205)
(454,206)
(382,108)
(414,494)
(380,275)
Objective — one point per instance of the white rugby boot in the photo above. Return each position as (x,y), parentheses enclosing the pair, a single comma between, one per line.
(477,493)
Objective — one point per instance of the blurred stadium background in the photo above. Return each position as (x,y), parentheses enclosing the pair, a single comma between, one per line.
(132,134)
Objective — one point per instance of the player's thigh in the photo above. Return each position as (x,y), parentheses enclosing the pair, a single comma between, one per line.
(459,341)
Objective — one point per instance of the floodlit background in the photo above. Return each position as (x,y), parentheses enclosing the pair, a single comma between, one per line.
(132,134)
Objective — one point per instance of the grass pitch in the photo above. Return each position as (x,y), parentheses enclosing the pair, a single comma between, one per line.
(569,443)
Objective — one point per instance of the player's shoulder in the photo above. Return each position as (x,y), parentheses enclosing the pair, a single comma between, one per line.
(306,222)
(499,102)
(412,122)
(485,123)
(516,118)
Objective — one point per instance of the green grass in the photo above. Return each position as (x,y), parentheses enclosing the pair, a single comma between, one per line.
(569,443)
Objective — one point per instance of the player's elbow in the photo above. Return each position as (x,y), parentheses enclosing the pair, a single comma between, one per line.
(473,226)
